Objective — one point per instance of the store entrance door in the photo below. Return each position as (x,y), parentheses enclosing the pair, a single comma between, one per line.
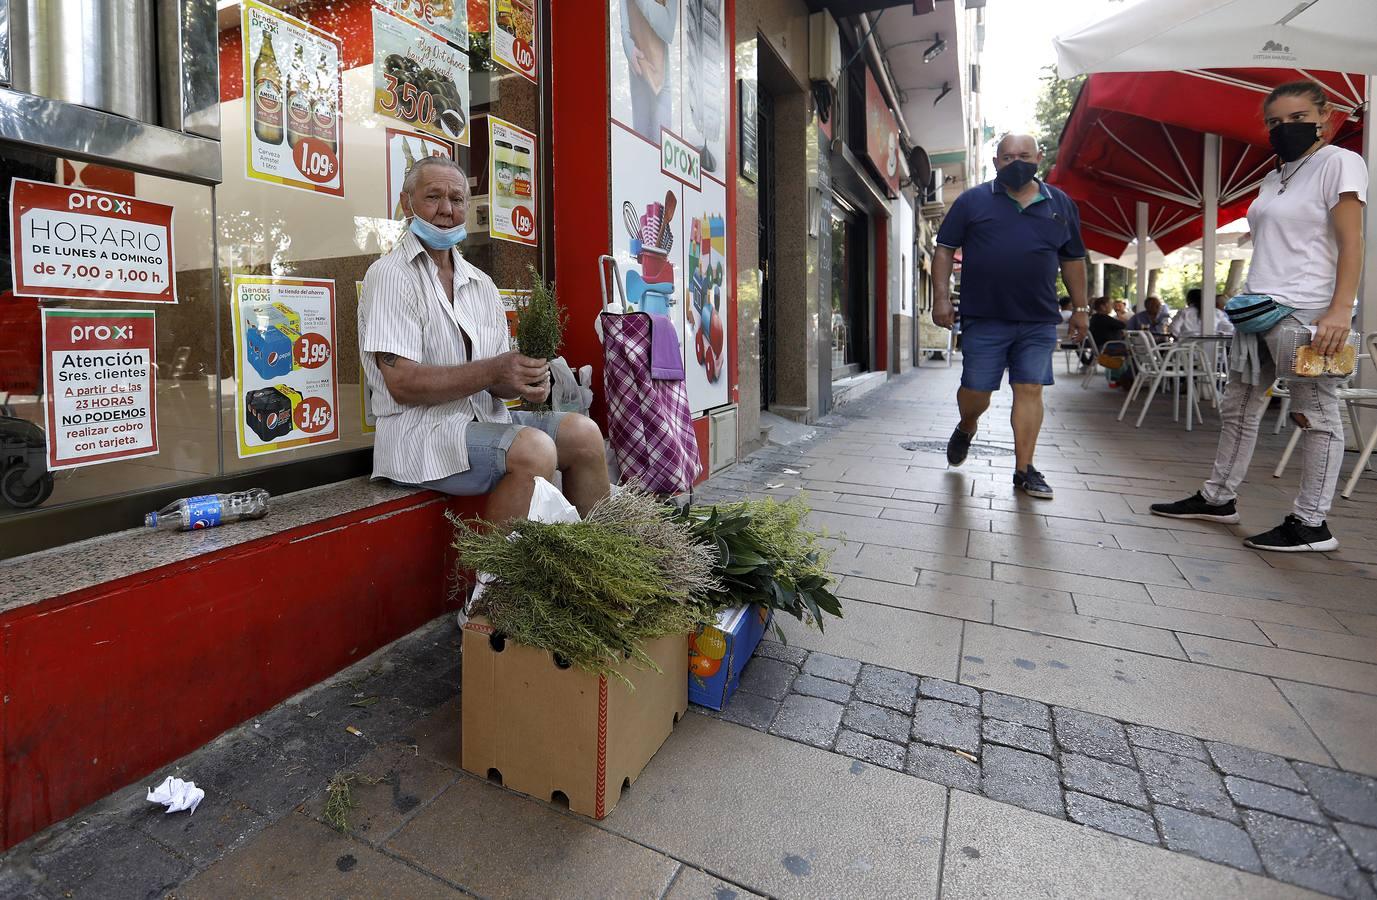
(850,290)
(766,234)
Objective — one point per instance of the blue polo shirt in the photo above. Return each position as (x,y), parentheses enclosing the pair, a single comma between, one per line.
(1010,255)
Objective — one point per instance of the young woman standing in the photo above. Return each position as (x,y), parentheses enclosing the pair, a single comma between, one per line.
(1307,256)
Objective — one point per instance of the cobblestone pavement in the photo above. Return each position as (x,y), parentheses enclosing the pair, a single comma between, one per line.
(1065,698)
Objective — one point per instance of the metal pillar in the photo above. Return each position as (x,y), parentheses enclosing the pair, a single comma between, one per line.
(1097,289)
(1210,187)
(1142,253)
(1366,318)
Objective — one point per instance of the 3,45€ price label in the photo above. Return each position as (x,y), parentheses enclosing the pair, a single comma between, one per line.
(313,415)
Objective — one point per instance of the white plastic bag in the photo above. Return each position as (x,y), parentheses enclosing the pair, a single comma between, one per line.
(547,505)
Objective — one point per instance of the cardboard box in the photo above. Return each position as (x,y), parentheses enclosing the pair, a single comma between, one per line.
(547,731)
(717,655)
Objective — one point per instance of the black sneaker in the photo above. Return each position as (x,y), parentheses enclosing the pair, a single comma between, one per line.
(1294,536)
(958,445)
(1197,507)
(1031,482)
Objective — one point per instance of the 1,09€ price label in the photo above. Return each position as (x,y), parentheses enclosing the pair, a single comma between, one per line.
(312,351)
(316,161)
(313,415)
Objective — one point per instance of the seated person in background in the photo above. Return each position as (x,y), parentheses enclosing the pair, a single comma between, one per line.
(1121,311)
(1186,323)
(1155,318)
(437,355)
(1065,304)
(1103,326)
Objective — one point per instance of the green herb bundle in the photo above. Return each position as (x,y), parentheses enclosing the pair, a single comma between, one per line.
(540,320)
(539,326)
(765,555)
(593,592)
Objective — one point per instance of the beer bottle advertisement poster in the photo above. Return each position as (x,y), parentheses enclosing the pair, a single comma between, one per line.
(404,149)
(88,244)
(99,377)
(368,421)
(293,99)
(420,79)
(447,18)
(287,389)
(511,182)
(513,35)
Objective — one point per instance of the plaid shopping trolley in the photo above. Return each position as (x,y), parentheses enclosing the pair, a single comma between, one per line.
(648,419)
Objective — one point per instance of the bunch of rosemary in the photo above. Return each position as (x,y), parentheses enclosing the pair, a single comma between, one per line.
(765,555)
(593,592)
(539,325)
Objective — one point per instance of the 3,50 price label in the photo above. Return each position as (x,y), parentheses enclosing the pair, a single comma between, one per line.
(312,351)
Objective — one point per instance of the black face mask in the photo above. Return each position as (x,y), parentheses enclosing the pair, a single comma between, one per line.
(1290,140)
(1017,174)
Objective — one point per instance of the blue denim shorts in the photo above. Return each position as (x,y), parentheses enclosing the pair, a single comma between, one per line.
(989,346)
(488,443)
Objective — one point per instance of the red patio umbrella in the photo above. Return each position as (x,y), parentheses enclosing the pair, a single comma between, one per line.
(1110,161)
(1226,102)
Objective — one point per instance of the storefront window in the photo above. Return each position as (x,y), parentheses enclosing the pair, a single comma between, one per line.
(246,357)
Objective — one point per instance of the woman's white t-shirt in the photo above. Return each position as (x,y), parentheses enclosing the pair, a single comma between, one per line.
(1295,251)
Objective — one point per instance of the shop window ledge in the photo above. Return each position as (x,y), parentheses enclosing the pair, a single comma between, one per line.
(71,568)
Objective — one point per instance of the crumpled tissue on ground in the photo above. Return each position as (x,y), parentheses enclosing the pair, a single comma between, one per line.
(177,795)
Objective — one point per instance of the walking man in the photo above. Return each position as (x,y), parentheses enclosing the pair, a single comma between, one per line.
(1014,233)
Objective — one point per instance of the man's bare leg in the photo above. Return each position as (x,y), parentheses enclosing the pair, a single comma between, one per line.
(532,454)
(582,461)
(972,405)
(1027,421)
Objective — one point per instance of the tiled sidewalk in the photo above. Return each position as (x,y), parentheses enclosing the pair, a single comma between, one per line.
(1009,672)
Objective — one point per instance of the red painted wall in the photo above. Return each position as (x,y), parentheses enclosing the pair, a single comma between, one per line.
(580,160)
(103,686)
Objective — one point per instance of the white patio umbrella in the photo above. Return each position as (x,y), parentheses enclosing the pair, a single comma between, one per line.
(1190,35)
(1160,35)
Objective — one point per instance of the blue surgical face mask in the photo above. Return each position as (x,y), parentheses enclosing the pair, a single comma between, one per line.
(434,237)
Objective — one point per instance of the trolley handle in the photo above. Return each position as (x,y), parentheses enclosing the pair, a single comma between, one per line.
(603,263)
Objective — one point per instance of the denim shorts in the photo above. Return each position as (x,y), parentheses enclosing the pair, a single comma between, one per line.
(488,443)
(989,346)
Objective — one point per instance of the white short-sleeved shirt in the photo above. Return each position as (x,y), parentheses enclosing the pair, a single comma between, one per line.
(1295,251)
(404,311)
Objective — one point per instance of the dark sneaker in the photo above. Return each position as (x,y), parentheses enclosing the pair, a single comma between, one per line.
(1294,536)
(1197,507)
(958,446)
(1031,482)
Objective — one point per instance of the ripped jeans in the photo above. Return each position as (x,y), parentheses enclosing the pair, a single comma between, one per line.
(1314,408)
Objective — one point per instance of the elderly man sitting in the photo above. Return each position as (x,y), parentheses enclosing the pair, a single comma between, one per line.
(436,352)
(1154,318)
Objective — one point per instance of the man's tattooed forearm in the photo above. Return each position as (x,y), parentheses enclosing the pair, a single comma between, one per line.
(388,359)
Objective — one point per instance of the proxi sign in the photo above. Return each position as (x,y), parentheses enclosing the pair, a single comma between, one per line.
(680,161)
(76,242)
(100,371)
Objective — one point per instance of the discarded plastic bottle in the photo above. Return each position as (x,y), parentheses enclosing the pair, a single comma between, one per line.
(209,510)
